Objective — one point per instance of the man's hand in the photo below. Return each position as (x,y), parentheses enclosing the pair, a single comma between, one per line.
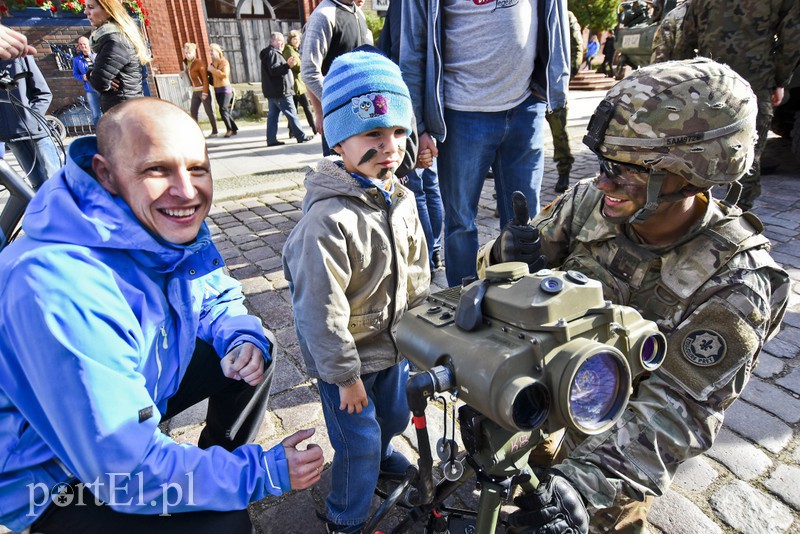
(305,467)
(555,507)
(245,362)
(353,398)
(292,61)
(426,142)
(519,241)
(203,96)
(14,44)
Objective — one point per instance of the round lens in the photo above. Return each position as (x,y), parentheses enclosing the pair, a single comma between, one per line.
(653,351)
(594,394)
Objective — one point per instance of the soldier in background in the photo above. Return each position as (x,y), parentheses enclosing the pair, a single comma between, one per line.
(758,39)
(668,33)
(558,118)
(650,231)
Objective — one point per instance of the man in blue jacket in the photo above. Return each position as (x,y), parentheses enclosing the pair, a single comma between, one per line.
(81,64)
(116,314)
(482,74)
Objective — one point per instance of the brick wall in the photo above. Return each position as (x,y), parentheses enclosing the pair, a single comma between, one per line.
(41,31)
(172,24)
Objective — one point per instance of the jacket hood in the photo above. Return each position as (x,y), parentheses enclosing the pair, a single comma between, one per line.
(73,208)
(328,179)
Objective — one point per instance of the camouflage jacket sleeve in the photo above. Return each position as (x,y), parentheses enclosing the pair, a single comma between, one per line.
(787,50)
(686,39)
(677,412)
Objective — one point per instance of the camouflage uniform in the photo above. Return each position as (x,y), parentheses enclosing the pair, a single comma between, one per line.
(715,293)
(562,154)
(668,33)
(760,40)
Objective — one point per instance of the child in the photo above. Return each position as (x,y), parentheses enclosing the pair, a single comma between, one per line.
(355,262)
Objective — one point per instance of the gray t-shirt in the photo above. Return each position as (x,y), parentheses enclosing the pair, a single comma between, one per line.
(489,48)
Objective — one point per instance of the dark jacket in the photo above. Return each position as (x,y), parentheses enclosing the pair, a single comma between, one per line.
(277,80)
(32,91)
(116,59)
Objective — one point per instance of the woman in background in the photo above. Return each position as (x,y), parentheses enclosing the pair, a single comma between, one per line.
(198,75)
(220,69)
(292,49)
(121,52)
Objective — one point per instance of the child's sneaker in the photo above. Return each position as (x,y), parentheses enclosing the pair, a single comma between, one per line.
(395,465)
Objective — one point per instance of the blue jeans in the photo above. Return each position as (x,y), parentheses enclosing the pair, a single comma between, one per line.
(283,105)
(93,100)
(511,143)
(425,186)
(39,158)
(362,441)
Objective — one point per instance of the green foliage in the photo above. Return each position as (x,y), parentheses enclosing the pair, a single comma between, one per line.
(598,15)
(375,24)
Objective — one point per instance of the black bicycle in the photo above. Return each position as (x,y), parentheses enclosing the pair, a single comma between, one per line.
(16,190)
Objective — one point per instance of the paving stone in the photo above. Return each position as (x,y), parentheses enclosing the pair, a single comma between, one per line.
(791,381)
(768,366)
(250,245)
(695,474)
(759,426)
(743,458)
(785,482)
(191,416)
(286,377)
(241,239)
(297,408)
(781,349)
(237,229)
(772,399)
(676,514)
(259,254)
(750,511)
(255,284)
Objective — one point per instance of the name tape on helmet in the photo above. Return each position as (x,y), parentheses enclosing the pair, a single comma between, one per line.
(683,139)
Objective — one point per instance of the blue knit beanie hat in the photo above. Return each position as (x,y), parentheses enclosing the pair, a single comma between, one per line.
(362,91)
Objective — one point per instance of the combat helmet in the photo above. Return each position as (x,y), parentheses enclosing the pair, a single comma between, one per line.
(694,118)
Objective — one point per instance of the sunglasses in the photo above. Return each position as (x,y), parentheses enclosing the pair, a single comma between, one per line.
(619,172)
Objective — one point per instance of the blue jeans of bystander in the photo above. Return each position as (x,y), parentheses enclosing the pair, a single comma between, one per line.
(511,143)
(39,158)
(362,441)
(283,105)
(93,100)
(425,186)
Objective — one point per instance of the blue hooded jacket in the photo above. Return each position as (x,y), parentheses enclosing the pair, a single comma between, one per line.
(98,322)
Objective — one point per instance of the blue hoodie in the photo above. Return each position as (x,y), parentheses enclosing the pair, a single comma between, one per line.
(98,322)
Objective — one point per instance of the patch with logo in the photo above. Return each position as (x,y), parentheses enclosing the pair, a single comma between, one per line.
(370,105)
(704,347)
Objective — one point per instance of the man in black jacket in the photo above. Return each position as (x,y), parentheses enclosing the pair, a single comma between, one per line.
(26,134)
(277,84)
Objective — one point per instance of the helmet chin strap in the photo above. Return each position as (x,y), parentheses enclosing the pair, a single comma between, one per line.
(654,183)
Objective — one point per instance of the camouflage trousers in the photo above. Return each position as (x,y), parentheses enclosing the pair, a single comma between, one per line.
(751,182)
(625,516)
(561,151)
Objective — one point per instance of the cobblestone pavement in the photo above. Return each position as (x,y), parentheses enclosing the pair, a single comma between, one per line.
(748,482)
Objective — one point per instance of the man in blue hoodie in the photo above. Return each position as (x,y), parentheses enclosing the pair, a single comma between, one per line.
(116,314)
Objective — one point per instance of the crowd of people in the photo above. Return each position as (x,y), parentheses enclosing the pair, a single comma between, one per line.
(116,312)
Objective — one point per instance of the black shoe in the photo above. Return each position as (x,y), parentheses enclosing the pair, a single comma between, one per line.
(276,143)
(305,139)
(563,183)
(436,259)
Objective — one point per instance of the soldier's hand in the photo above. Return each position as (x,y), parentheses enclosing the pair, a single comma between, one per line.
(519,241)
(555,507)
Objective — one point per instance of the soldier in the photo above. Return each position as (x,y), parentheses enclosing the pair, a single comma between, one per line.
(650,231)
(668,33)
(760,41)
(558,118)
